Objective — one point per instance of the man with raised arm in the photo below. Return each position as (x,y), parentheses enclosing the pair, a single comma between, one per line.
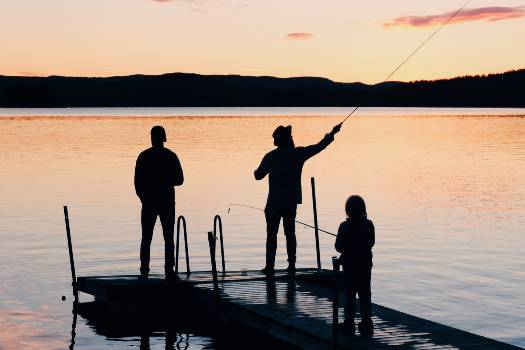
(157,171)
(284,166)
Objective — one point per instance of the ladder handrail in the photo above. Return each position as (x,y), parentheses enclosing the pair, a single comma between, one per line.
(217,219)
(211,241)
(183,220)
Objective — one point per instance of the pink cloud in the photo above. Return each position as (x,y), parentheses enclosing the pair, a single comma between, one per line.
(299,36)
(491,14)
(26,73)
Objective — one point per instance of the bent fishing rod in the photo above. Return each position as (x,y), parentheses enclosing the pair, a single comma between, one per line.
(416,50)
(297,221)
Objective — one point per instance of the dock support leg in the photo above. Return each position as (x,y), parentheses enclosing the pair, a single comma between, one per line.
(316,224)
(335,312)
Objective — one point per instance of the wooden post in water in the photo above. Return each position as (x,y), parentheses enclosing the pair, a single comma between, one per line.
(71,259)
(217,220)
(316,224)
(335,305)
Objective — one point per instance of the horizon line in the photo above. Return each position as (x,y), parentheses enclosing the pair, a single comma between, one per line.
(260,76)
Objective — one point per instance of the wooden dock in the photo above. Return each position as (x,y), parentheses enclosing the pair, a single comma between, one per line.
(296,311)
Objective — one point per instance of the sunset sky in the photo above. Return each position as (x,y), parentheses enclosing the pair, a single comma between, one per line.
(339,39)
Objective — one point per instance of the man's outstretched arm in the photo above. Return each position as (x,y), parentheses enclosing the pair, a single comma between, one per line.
(310,151)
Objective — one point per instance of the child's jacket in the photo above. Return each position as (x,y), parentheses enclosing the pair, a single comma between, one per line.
(355,239)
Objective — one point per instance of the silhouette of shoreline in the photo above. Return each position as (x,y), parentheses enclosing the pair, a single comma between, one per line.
(193,90)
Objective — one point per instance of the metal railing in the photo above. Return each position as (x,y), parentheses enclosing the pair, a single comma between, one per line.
(218,221)
(182,220)
(336,262)
(212,243)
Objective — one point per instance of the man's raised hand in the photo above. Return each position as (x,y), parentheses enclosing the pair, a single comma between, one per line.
(336,129)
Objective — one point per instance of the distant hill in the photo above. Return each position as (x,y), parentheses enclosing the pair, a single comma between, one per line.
(181,89)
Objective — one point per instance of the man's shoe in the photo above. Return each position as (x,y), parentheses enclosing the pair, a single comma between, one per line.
(171,276)
(268,271)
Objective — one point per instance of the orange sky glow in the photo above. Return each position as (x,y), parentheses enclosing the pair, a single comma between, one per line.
(341,40)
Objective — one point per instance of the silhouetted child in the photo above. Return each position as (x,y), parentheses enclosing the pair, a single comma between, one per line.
(355,239)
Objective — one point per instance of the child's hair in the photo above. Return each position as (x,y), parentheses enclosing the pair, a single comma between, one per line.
(355,207)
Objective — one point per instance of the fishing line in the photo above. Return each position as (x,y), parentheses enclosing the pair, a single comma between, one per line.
(297,221)
(423,43)
(416,50)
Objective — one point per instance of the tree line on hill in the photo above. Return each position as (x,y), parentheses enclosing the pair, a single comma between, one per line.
(194,90)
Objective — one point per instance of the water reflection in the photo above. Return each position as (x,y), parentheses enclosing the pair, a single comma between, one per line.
(283,296)
(140,327)
(174,341)
(73,327)
(149,330)
(271,291)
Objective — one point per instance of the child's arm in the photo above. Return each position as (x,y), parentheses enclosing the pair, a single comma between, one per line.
(340,239)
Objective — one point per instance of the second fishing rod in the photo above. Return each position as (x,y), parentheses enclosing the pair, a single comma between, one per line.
(315,226)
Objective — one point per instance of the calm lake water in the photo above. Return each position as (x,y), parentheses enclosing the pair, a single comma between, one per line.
(444,187)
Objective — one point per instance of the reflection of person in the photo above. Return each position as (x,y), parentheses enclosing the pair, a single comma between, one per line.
(157,171)
(355,239)
(284,166)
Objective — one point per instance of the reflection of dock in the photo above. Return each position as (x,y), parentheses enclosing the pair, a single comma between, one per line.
(296,311)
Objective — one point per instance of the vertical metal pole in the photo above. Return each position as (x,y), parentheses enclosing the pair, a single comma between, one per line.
(212,243)
(316,224)
(71,259)
(335,305)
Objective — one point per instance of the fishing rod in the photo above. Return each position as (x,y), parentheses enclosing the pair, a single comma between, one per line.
(416,50)
(423,43)
(297,221)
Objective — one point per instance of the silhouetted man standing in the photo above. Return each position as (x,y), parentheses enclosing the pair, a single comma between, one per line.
(284,166)
(157,171)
